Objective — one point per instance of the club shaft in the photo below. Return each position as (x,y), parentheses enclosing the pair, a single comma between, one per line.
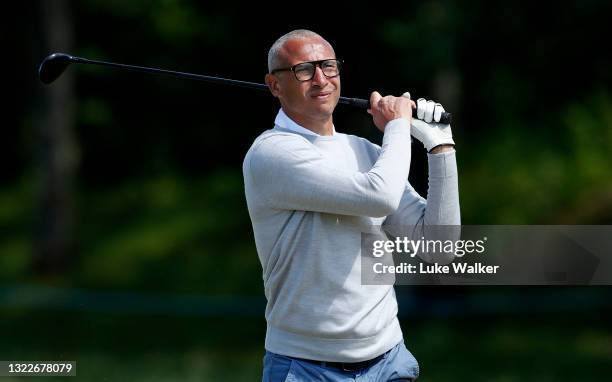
(190,76)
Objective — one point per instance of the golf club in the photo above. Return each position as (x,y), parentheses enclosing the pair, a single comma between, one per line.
(55,64)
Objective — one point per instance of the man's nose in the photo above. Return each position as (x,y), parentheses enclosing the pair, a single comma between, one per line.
(319,78)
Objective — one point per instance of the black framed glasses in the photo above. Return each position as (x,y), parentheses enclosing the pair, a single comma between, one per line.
(305,71)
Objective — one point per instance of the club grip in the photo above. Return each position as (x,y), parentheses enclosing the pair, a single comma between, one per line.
(446,118)
(359,103)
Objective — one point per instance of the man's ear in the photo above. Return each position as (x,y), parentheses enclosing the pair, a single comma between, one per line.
(273,84)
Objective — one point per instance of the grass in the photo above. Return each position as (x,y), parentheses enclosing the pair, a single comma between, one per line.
(118,347)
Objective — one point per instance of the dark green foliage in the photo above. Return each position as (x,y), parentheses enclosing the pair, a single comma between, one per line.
(159,196)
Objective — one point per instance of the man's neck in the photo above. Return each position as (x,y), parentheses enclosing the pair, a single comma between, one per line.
(321,127)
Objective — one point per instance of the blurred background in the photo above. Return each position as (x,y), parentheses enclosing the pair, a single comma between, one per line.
(125,242)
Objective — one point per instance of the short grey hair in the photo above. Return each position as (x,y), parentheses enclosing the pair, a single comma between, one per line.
(274,54)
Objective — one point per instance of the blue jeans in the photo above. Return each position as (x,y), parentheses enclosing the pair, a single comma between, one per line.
(397,365)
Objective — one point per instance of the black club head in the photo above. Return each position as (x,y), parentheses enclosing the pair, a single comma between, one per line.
(53,66)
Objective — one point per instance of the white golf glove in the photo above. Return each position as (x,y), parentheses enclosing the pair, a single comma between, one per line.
(426,129)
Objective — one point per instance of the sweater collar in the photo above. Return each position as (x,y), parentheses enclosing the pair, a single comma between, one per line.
(283,120)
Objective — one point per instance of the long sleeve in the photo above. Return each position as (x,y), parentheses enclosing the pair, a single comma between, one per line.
(289,173)
(438,216)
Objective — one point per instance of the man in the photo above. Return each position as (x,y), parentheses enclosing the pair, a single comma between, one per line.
(309,189)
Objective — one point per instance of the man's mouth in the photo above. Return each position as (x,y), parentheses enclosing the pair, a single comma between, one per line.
(322,95)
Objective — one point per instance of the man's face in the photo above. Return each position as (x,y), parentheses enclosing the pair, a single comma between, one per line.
(313,99)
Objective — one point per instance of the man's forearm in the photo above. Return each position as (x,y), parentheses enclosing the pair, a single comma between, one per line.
(442,204)
(443,193)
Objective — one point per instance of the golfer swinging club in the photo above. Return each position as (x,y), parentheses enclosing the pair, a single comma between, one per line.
(305,184)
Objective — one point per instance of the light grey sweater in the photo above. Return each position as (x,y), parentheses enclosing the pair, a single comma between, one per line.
(309,198)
